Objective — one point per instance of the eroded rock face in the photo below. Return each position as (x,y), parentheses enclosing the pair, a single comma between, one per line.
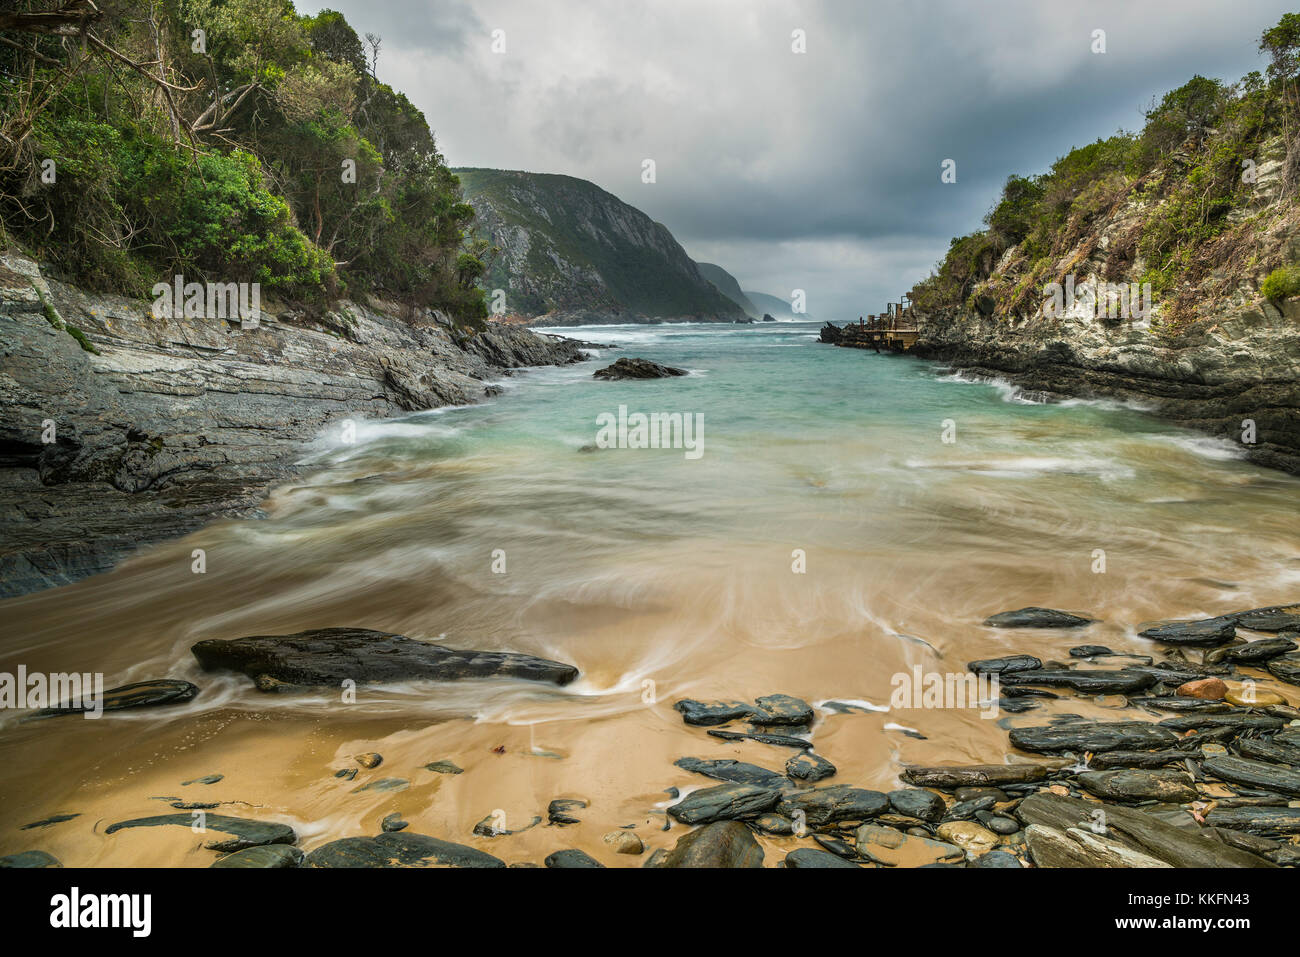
(329,656)
(174,422)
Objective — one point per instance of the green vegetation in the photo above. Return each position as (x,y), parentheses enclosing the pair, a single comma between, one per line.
(1281,283)
(1188,176)
(264,149)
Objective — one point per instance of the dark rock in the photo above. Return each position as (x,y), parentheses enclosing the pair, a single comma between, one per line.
(1090,651)
(206,779)
(245,832)
(1254,774)
(29,859)
(1135,759)
(1283,821)
(1093,736)
(1181,703)
(628,368)
(835,846)
(1235,722)
(1286,668)
(707,714)
(917,803)
(1170,787)
(812,857)
(997,859)
(837,803)
(737,772)
(972,793)
(1001,825)
(1204,633)
(726,844)
(773,824)
(266,856)
(780,740)
(1097,681)
(1278,752)
(809,767)
(1036,618)
(955,776)
(1256,651)
(1007,665)
(965,810)
(723,803)
(571,858)
(1276,618)
(399,850)
(49,821)
(560,811)
(444,767)
(781,709)
(394,823)
(329,656)
(140,694)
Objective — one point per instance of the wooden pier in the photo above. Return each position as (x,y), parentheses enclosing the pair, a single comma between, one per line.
(891,331)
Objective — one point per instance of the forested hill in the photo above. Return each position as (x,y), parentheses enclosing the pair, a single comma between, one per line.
(228,141)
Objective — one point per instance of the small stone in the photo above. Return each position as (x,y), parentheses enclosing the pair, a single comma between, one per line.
(1252,697)
(809,767)
(370,760)
(624,842)
(560,811)
(571,858)
(393,823)
(970,837)
(444,767)
(1207,689)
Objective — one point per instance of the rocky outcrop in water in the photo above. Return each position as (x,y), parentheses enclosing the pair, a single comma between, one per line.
(122,429)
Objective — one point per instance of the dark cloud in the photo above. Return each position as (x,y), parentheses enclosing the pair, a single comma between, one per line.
(817,170)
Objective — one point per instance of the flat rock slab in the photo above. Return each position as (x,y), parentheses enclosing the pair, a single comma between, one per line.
(736,772)
(1253,652)
(917,803)
(1269,821)
(1033,617)
(1254,774)
(1206,632)
(946,778)
(29,859)
(1139,831)
(893,848)
(1235,722)
(330,656)
(244,831)
(709,713)
(629,368)
(1170,787)
(1002,666)
(1260,749)
(837,803)
(721,844)
(810,857)
(725,802)
(1286,668)
(1078,847)
(781,709)
(1274,618)
(809,767)
(1089,736)
(1099,681)
(1136,759)
(140,694)
(398,850)
(572,859)
(268,856)
(1182,704)
(780,740)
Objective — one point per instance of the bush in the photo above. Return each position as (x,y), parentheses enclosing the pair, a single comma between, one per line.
(1281,284)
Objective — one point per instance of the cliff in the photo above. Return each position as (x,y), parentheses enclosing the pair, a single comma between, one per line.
(569,252)
(729,287)
(122,429)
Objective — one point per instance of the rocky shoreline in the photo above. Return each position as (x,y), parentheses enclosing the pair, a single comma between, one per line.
(122,430)
(1200,768)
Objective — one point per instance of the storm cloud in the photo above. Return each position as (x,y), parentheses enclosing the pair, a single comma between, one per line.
(816,170)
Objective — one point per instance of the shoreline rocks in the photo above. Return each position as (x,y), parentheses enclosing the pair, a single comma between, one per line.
(632,368)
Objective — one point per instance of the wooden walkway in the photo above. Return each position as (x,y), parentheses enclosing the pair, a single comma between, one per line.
(888,332)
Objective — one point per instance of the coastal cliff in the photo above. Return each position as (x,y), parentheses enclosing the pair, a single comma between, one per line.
(123,429)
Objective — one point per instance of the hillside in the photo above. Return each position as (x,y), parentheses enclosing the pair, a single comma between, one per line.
(1181,244)
(775,305)
(729,287)
(570,252)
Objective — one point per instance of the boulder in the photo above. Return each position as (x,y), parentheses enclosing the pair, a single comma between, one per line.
(1080,736)
(1206,632)
(721,844)
(1036,618)
(724,803)
(630,368)
(398,850)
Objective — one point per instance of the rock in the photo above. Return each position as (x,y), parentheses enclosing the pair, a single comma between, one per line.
(1004,826)
(1206,632)
(1254,774)
(393,823)
(1136,830)
(398,850)
(444,767)
(736,772)
(1036,618)
(970,837)
(245,832)
(492,826)
(726,844)
(1181,704)
(370,760)
(809,767)
(773,824)
(965,810)
(628,368)
(1286,668)
(1083,736)
(1172,787)
(384,784)
(624,842)
(1253,652)
(330,656)
(955,776)
(560,811)
(1276,618)
(1076,847)
(29,859)
(1276,751)
(1135,759)
(706,714)
(892,848)
(1232,722)
(1209,689)
(1090,651)
(1280,821)
(1252,697)
(836,846)
(1008,665)
(1098,681)
(48,822)
(781,709)
(723,803)
(780,740)
(349,774)
(812,857)
(268,856)
(571,858)
(997,859)
(917,803)
(140,694)
(837,803)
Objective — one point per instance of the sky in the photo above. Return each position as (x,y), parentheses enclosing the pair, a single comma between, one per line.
(817,170)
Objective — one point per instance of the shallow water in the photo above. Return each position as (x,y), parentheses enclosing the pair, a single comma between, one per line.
(658,574)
